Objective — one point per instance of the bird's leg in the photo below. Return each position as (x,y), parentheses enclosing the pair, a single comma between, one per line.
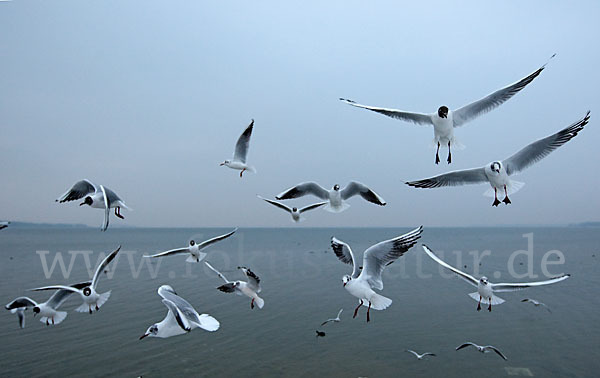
(490,306)
(437,154)
(252,303)
(97,308)
(118,212)
(496,202)
(506,200)
(356,310)
(449,154)
(242,172)
(47,323)
(479,304)
(90,308)
(53,320)
(368,310)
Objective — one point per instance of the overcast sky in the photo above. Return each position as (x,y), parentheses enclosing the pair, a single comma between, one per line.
(148,97)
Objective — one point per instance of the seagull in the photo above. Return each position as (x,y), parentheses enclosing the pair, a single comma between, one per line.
(294,211)
(420,356)
(91,299)
(241,152)
(98,197)
(3,225)
(249,289)
(536,303)
(195,250)
(482,349)
(497,173)
(336,320)
(362,282)
(485,289)
(335,196)
(181,317)
(47,310)
(444,121)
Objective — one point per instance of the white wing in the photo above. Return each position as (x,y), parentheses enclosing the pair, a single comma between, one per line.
(378,256)
(185,309)
(504,287)
(277,204)
(455,178)
(538,150)
(344,253)
(467,277)
(253,279)
(491,347)
(418,118)
(181,319)
(466,345)
(355,188)
(413,352)
(79,190)
(493,100)
(56,287)
(241,147)
(208,242)
(218,273)
(171,252)
(312,207)
(304,189)
(103,265)
(21,302)
(106,209)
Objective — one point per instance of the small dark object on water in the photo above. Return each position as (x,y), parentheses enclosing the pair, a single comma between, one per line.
(320,334)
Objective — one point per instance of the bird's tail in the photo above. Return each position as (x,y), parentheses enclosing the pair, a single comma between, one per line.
(259,301)
(379,302)
(512,187)
(495,300)
(57,319)
(337,209)
(251,169)
(192,258)
(103,298)
(208,323)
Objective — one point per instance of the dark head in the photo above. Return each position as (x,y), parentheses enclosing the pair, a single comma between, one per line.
(294,209)
(336,187)
(483,280)
(225,163)
(443,111)
(36,310)
(495,167)
(87,201)
(192,243)
(346,279)
(151,331)
(87,291)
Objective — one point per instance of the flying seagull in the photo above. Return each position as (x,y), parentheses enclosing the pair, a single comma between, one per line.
(497,173)
(362,282)
(47,310)
(335,196)
(536,303)
(98,197)
(482,349)
(249,289)
(181,317)
(294,211)
(91,298)
(241,152)
(444,121)
(420,356)
(194,250)
(335,320)
(485,289)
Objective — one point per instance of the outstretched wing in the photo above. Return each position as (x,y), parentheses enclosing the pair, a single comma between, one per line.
(418,118)
(277,204)
(227,288)
(106,209)
(493,100)
(79,190)
(241,147)
(455,178)
(304,189)
(253,279)
(218,273)
(21,302)
(208,242)
(467,344)
(184,307)
(20,311)
(467,277)
(103,265)
(182,321)
(355,188)
(60,296)
(504,287)
(312,207)
(383,253)
(170,252)
(538,150)
(344,253)
(490,347)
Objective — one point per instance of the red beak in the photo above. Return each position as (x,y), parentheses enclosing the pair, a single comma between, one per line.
(144,335)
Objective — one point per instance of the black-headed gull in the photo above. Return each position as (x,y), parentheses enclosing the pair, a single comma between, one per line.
(335,320)
(249,289)
(497,173)
(241,152)
(420,356)
(181,317)
(48,310)
(3,225)
(361,283)
(335,196)
(482,349)
(91,299)
(536,303)
(444,121)
(294,211)
(485,289)
(194,249)
(98,197)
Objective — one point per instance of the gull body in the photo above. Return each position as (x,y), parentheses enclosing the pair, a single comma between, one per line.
(483,349)
(241,152)
(249,289)
(194,249)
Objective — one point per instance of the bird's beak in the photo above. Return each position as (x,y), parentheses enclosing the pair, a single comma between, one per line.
(81,204)
(144,335)
(345,284)
(222,164)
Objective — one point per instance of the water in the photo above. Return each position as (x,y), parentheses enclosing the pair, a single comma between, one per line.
(302,287)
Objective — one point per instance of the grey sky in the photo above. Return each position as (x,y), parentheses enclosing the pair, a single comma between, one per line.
(148,97)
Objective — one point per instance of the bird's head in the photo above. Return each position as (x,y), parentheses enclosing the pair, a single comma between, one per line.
(192,243)
(483,280)
(336,187)
(87,291)
(496,166)
(294,209)
(151,331)
(36,310)
(225,162)
(346,279)
(443,111)
(87,201)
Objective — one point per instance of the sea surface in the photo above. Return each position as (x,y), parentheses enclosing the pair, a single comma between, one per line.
(302,286)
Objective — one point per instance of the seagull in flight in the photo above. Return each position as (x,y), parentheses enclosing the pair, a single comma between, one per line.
(335,196)
(181,317)
(98,197)
(497,173)
(249,289)
(294,211)
(335,320)
(444,121)
(420,356)
(362,282)
(241,152)
(482,349)
(485,289)
(194,250)
(47,310)
(91,298)
(536,303)
(3,225)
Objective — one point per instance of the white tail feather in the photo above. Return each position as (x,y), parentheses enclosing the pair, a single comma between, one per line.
(379,302)
(512,187)
(208,323)
(495,300)
(192,258)
(57,319)
(259,301)
(103,298)
(337,209)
